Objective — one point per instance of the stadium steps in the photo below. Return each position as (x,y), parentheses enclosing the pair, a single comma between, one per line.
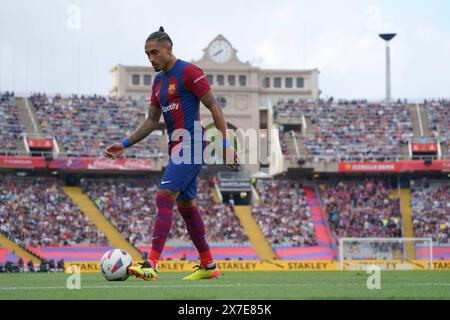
(20,146)
(322,228)
(25,116)
(417,117)
(90,210)
(425,120)
(407,225)
(404,149)
(254,233)
(301,146)
(290,144)
(444,149)
(25,254)
(309,126)
(415,120)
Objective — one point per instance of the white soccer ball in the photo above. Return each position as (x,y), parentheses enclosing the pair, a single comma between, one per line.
(114,265)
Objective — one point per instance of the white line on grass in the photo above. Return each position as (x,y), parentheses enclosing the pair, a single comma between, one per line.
(224,286)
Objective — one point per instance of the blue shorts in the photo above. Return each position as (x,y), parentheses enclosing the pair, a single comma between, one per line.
(182,177)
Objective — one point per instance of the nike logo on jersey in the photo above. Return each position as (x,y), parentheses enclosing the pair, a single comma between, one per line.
(164,182)
(172,106)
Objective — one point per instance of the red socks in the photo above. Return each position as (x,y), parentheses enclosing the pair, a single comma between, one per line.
(196,229)
(162,225)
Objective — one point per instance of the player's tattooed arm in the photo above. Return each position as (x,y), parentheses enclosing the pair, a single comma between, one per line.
(209,100)
(147,127)
(230,155)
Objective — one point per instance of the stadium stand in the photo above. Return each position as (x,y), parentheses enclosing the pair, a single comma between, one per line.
(363,208)
(352,131)
(130,207)
(283,214)
(86,125)
(11,127)
(431,210)
(439,120)
(36,212)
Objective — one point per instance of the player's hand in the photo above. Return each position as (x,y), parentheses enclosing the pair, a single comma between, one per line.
(230,158)
(114,151)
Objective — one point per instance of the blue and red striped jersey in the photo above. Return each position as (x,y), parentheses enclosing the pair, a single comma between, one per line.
(178,94)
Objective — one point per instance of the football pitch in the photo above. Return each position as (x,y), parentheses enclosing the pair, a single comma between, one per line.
(232,285)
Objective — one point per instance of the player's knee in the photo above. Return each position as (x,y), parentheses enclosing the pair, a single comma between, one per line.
(186,203)
(170,193)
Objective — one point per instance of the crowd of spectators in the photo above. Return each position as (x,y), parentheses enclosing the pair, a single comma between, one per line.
(364,208)
(130,206)
(11,126)
(439,120)
(286,142)
(37,212)
(356,130)
(430,202)
(86,125)
(282,213)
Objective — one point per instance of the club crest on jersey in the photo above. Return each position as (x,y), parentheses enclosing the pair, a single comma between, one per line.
(172,88)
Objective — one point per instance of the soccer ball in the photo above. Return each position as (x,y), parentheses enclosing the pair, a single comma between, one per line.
(114,265)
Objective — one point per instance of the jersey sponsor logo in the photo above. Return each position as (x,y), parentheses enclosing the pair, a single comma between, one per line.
(172,88)
(172,106)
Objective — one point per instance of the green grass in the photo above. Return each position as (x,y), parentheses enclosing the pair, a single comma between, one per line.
(233,285)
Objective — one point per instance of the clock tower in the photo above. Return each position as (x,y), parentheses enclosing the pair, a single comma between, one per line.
(220,50)
(220,54)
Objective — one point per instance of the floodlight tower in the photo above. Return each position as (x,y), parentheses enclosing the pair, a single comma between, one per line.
(388,37)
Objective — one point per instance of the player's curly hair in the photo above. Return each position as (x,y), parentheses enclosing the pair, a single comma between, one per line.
(159,36)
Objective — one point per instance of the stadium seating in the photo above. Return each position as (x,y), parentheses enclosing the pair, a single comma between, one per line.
(283,214)
(36,212)
(361,208)
(130,206)
(11,126)
(86,125)
(357,131)
(439,120)
(430,202)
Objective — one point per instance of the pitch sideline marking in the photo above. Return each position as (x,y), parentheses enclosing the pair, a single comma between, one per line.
(215,286)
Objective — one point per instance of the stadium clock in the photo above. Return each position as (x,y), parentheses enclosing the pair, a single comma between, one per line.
(220,51)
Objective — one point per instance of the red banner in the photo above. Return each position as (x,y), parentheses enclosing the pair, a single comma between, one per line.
(22,162)
(101,164)
(400,166)
(40,143)
(424,147)
(368,166)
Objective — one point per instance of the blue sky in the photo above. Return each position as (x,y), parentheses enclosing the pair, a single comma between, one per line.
(45,47)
